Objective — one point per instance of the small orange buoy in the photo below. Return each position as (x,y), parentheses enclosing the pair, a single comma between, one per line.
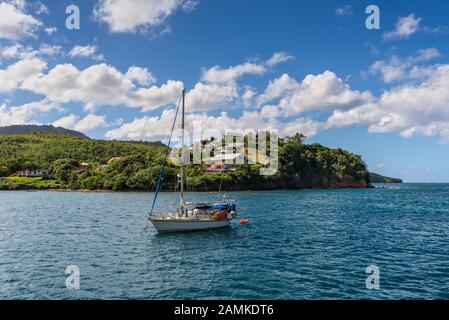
(244,221)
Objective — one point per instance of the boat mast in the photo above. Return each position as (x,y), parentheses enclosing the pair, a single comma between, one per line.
(182,150)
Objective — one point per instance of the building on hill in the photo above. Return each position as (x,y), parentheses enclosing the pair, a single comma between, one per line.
(229,158)
(37,173)
(219,168)
(82,167)
(110,161)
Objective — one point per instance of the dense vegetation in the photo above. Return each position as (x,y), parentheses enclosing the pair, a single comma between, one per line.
(377,178)
(61,155)
(138,165)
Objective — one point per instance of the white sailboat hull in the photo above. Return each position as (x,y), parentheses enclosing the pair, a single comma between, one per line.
(186,225)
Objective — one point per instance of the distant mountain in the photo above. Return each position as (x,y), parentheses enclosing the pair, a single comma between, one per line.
(25,129)
(377,178)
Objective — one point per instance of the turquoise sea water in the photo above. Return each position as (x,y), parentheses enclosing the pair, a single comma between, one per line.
(305,244)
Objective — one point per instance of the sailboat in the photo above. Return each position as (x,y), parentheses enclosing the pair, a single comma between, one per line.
(190,216)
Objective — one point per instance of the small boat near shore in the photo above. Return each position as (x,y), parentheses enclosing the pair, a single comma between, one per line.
(190,216)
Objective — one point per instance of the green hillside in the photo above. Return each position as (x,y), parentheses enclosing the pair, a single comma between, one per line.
(61,156)
(377,178)
(75,163)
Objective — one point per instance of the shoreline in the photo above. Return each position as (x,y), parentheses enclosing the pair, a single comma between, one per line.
(173,191)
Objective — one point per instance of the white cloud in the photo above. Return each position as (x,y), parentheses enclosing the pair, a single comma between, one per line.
(418,106)
(24,114)
(155,97)
(20,4)
(17,51)
(405,27)
(49,50)
(90,122)
(345,10)
(89,51)
(435,30)
(316,92)
(269,112)
(248,96)
(50,30)
(41,8)
(278,88)
(15,23)
(408,109)
(14,75)
(436,128)
(398,69)
(211,96)
(143,128)
(217,74)
(219,85)
(158,127)
(306,126)
(140,75)
(67,122)
(279,57)
(426,55)
(21,52)
(131,16)
(100,85)
(86,124)
(189,5)
(321,92)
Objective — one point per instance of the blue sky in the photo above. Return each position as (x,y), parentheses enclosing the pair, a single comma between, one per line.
(307,66)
